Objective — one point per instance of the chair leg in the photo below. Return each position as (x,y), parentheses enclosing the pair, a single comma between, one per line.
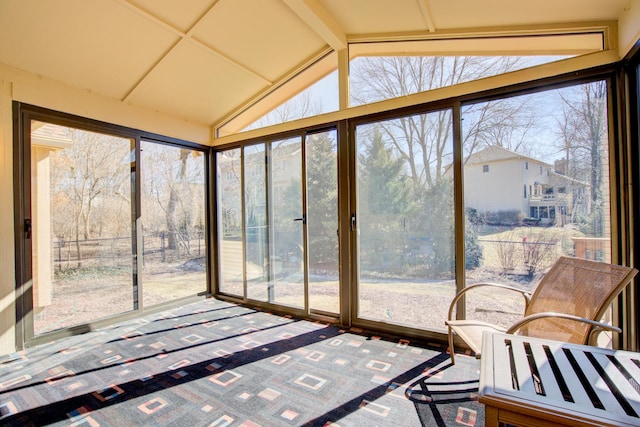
(452,350)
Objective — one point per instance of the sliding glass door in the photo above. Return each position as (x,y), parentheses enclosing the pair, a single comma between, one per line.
(174,244)
(322,221)
(113,221)
(277,218)
(81,226)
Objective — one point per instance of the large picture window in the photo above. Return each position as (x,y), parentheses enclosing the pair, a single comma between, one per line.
(405,219)
(555,142)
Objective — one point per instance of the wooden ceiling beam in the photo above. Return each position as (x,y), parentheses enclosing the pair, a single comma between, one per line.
(320,21)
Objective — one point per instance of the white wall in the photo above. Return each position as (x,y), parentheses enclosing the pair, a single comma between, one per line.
(7,265)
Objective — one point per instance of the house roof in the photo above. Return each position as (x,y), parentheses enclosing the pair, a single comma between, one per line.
(494,153)
(205,61)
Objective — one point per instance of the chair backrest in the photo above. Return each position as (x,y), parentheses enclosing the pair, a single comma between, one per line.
(575,286)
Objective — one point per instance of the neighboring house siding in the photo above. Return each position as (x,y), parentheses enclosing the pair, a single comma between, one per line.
(496,190)
(500,180)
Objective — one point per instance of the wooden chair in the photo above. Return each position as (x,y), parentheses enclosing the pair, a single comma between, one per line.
(567,305)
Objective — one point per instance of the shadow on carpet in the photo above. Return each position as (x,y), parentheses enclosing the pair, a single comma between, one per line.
(213,363)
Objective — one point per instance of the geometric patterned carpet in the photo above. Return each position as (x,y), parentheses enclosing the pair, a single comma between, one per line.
(213,363)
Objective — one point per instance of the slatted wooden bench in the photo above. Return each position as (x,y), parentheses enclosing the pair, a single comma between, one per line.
(532,382)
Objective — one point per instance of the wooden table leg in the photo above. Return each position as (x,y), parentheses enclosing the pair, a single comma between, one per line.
(491,416)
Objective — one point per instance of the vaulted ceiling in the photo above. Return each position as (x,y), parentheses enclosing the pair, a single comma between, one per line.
(202,60)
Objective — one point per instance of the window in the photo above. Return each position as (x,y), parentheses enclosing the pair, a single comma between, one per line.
(173,222)
(524,244)
(405,219)
(311,92)
(119,222)
(82,240)
(230,244)
(273,251)
(314,90)
(375,65)
(402,190)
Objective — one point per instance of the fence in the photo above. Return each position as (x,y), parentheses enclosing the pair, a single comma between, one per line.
(118,251)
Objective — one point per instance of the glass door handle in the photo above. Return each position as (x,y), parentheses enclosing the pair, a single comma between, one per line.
(27,228)
(303,219)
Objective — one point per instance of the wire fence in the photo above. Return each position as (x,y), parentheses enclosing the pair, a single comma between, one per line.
(119,251)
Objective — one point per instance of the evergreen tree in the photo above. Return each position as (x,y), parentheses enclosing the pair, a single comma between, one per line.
(322,198)
(383,205)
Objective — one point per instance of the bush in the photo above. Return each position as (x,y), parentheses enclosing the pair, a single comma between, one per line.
(510,217)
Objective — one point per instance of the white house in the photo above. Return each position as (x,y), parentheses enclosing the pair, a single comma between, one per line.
(497,179)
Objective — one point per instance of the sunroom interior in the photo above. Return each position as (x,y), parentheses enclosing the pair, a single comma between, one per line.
(353,162)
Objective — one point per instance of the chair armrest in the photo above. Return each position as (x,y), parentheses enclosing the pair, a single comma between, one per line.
(525,294)
(596,326)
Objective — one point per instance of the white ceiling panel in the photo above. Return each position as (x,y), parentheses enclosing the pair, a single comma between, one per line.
(377,16)
(97,45)
(270,39)
(194,84)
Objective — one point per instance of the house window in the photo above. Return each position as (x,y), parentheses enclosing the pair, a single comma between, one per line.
(525,191)
(562,190)
(533,212)
(526,165)
(485,168)
(544,212)
(598,255)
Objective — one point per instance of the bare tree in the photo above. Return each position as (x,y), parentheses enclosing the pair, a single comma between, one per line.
(539,250)
(176,189)
(582,135)
(424,140)
(90,174)
(506,250)
(300,106)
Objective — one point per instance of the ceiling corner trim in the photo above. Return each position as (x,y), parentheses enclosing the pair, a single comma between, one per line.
(320,21)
